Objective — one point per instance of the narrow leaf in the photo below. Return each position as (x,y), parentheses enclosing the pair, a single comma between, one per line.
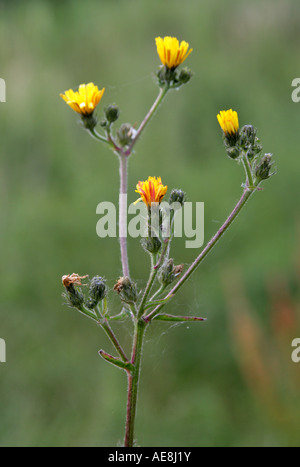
(116,361)
(166,317)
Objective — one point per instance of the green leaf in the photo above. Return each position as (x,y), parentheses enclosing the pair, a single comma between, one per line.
(116,361)
(166,317)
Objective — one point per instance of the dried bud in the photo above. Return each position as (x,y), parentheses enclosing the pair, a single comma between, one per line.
(126,290)
(97,292)
(74,296)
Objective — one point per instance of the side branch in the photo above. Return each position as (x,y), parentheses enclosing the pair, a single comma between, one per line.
(244,198)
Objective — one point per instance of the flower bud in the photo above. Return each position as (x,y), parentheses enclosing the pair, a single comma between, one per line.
(169,272)
(233,152)
(97,292)
(177,196)
(126,134)
(151,244)
(184,76)
(262,170)
(126,290)
(112,113)
(247,136)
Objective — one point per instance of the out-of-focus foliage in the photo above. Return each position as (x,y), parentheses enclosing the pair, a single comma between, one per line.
(229,381)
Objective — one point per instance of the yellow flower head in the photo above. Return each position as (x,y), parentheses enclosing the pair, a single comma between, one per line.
(229,122)
(151,191)
(170,52)
(85,100)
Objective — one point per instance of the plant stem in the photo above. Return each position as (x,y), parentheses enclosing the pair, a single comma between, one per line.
(97,136)
(150,282)
(123,213)
(133,382)
(244,198)
(162,93)
(104,324)
(248,172)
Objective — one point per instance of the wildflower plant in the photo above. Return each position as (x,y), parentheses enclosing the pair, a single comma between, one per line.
(144,306)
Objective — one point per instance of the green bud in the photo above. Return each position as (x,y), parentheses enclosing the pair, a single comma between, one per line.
(97,292)
(125,134)
(247,136)
(184,76)
(169,272)
(112,113)
(177,196)
(74,296)
(233,152)
(262,170)
(151,244)
(126,290)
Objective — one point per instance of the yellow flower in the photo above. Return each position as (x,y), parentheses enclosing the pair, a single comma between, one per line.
(229,122)
(170,52)
(85,100)
(151,191)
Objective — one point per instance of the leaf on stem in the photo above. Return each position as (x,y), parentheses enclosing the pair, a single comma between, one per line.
(167,317)
(116,361)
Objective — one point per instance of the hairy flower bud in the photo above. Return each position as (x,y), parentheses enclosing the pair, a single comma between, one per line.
(112,113)
(233,152)
(151,244)
(97,292)
(247,136)
(184,76)
(262,170)
(125,134)
(177,196)
(169,272)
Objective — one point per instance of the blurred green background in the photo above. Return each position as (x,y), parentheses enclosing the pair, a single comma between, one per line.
(227,382)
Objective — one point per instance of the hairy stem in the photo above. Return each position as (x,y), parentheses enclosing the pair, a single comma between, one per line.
(104,324)
(123,213)
(133,382)
(162,93)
